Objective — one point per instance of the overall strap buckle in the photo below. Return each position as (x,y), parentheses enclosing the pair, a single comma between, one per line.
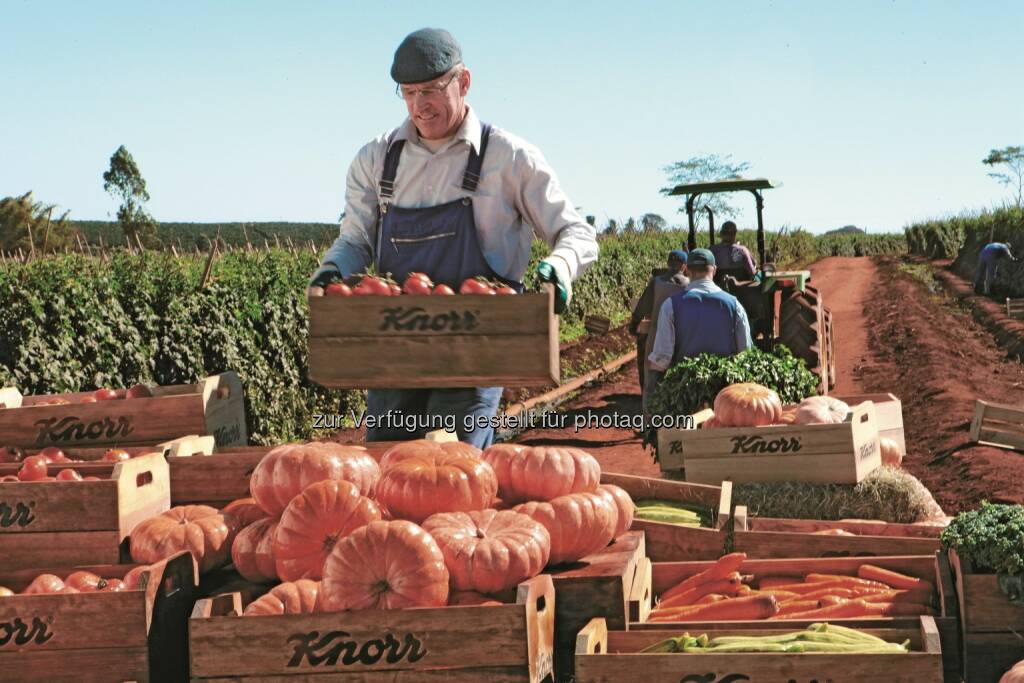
(471,177)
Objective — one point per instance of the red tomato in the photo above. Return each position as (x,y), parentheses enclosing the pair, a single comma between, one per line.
(338,289)
(85,582)
(33,468)
(11,454)
(69,475)
(121,393)
(105,395)
(505,290)
(372,286)
(138,391)
(395,289)
(44,583)
(113,586)
(90,478)
(116,455)
(131,579)
(415,284)
(474,286)
(443,289)
(53,454)
(87,399)
(69,589)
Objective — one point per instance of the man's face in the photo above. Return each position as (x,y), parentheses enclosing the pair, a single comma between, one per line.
(436,107)
(728,236)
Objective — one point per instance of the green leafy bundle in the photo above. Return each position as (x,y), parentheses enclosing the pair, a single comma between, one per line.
(992,538)
(692,384)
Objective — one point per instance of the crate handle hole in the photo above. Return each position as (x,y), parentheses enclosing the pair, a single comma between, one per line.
(864,417)
(597,648)
(143,479)
(541,604)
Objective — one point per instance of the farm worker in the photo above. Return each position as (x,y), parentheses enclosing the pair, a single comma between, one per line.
(989,259)
(730,254)
(455,198)
(645,308)
(701,319)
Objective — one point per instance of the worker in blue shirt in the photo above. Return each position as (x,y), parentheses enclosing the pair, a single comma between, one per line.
(989,260)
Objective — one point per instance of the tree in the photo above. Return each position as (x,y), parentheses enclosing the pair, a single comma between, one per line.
(652,222)
(630,225)
(705,169)
(1012,158)
(21,217)
(123,180)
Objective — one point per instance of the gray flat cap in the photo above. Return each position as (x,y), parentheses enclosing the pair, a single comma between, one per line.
(424,55)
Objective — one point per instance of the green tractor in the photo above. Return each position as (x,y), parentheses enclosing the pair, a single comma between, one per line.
(782,307)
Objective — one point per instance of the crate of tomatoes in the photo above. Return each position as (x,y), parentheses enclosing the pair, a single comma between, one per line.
(372,332)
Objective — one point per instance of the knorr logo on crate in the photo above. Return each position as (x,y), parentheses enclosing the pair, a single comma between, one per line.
(17,632)
(415,318)
(20,514)
(55,430)
(337,647)
(759,444)
(711,678)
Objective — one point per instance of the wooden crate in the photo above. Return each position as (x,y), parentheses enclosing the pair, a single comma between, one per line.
(431,341)
(607,656)
(998,425)
(828,454)
(934,568)
(987,656)
(1014,308)
(135,635)
(80,522)
(669,542)
(598,585)
(768,537)
(507,643)
(888,411)
(983,607)
(214,406)
(597,324)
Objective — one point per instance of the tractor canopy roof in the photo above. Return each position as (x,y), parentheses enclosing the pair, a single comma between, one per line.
(731,185)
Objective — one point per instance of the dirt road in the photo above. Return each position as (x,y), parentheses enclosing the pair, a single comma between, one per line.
(846,285)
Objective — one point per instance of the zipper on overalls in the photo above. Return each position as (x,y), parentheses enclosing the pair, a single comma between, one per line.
(395,241)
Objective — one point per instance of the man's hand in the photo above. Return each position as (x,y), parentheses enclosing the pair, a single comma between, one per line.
(555,270)
(321,279)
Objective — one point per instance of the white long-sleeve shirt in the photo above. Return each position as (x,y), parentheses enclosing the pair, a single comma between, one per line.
(518,195)
(665,337)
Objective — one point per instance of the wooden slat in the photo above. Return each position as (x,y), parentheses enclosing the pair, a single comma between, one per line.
(82,620)
(888,414)
(640,488)
(86,665)
(354,362)
(57,506)
(62,548)
(863,527)
(776,544)
(987,656)
(1002,413)
(498,674)
(984,608)
(224,403)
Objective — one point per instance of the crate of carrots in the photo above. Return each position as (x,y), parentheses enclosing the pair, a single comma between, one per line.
(737,592)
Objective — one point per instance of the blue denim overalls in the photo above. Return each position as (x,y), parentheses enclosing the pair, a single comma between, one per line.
(440,241)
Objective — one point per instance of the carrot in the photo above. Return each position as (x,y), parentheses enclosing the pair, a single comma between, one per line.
(895,609)
(804,588)
(710,597)
(723,567)
(893,579)
(848,609)
(856,581)
(794,606)
(902,597)
(829,600)
(780,595)
(728,585)
(776,581)
(837,591)
(750,608)
(674,613)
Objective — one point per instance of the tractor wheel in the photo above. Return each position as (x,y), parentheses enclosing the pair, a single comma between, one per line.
(802,329)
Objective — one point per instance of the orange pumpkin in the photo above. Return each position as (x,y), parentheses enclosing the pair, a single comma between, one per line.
(892,454)
(489,551)
(788,414)
(747,405)
(298,597)
(245,510)
(426,478)
(710,423)
(385,565)
(623,505)
(463,598)
(820,410)
(417,447)
(580,524)
(312,524)
(253,551)
(542,472)
(287,470)
(200,529)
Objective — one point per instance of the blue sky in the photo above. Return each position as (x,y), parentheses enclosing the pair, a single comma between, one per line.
(875,113)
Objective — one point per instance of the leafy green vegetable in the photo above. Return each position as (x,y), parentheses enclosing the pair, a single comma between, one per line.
(992,538)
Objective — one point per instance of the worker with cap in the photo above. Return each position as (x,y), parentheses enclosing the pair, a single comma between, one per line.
(731,256)
(453,197)
(989,260)
(648,304)
(701,319)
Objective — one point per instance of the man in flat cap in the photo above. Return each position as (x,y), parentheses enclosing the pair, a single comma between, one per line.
(455,198)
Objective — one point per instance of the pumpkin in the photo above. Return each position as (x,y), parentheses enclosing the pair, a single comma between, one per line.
(200,529)
(820,410)
(462,598)
(489,551)
(788,414)
(1014,674)
(747,405)
(253,551)
(44,583)
(428,478)
(711,423)
(580,524)
(313,522)
(542,472)
(385,565)
(623,506)
(416,447)
(287,470)
(245,510)
(291,597)
(134,577)
(892,454)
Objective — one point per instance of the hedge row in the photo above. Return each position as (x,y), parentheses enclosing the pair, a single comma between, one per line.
(75,323)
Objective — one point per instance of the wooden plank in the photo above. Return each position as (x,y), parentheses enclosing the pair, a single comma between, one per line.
(888,413)
(781,544)
(70,621)
(863,527)
(641,595)
(224,403)
(61,548)
(983,606)
(1002,412)
(403,362)
(987,656)
(86,665)
(497,674)
(33,507)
